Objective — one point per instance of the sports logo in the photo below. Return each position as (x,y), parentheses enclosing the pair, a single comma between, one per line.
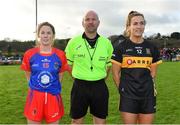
(45,65)
(113,55)
(148,51)
(55,114)
(102,58)
(44,79)
(78,47)
(129,61)
(137,62)
(129,50)
(34,112)
(45,60)
(56,65)
(35,65)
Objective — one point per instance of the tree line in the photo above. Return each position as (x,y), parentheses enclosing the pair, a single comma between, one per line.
(16,47)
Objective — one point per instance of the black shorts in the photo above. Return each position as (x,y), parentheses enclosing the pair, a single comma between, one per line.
(93,94)
(144,106)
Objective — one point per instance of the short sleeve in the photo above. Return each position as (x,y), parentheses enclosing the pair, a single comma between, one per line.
(110,51)
(64,66)
(117,55)
(69,52)
(156,56)
(25,62)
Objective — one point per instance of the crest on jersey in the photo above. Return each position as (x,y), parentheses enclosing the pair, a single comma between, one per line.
(44,79)
(45,65)
(148,51)
(34,112)
(56,65)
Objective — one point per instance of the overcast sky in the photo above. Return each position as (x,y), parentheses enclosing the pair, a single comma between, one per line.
(18,16)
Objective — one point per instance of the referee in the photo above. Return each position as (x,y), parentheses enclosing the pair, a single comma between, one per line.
(89,56)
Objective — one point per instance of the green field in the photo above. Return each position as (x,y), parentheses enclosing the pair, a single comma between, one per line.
(13,90)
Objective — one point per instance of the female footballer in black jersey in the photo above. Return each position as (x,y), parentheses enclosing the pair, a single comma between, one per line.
(134,67)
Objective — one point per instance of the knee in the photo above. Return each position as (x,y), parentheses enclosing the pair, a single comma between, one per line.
(77,121)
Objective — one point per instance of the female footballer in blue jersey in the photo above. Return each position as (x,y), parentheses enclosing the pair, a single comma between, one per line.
(44,66)
(134,67)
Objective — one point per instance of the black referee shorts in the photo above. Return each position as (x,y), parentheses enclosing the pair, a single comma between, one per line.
(93,94)
(136,106)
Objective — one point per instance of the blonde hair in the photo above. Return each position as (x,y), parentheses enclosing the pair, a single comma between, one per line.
(128,21)
(39,28)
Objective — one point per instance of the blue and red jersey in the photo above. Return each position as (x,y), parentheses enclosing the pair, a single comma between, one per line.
(45,69)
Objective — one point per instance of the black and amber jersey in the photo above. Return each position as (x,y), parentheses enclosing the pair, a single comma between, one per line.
(135,61)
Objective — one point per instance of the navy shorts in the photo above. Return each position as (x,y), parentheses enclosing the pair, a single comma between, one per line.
(92,94)
(144,106)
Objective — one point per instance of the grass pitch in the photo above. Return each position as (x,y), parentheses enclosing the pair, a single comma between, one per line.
(13,91)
